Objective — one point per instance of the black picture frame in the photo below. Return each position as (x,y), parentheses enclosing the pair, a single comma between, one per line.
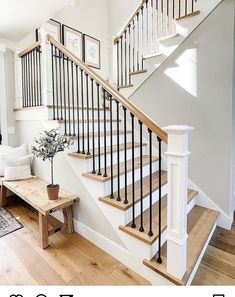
(86,38)
(75,46)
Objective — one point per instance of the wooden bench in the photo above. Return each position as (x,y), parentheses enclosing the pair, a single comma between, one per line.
(34,192)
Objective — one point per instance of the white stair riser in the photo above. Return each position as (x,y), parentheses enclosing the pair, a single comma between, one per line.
(89,164)
(146,200)
(107,185)
(70,126)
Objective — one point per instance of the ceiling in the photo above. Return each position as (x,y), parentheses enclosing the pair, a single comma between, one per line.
(19,17)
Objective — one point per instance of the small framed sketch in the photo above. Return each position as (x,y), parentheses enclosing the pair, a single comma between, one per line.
(72,40)
(53,28)
(91,51)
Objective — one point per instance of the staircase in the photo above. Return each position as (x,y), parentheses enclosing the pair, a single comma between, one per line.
(119,152)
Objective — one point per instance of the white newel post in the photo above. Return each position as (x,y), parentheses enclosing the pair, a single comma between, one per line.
(3,98)
(18,79)
(46,69)
(177,159)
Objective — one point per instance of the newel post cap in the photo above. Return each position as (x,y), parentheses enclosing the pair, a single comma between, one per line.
(178,129)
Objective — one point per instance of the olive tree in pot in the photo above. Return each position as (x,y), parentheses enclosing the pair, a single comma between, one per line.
(47,146)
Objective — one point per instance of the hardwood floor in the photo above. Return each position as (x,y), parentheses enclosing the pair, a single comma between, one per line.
(218,264)
(70,260)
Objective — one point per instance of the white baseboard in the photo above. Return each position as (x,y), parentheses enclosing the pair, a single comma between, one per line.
(225,221)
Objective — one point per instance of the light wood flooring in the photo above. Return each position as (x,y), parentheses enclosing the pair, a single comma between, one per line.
(71,260)
(218,264)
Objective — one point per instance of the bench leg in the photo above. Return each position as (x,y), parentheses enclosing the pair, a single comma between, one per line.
(68,219)
(3,196)
(43,231)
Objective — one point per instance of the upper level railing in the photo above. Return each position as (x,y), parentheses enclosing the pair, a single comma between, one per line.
(31,75)
(152,21)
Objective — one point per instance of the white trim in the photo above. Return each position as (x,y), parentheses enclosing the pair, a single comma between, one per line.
(200,257)
(225,221)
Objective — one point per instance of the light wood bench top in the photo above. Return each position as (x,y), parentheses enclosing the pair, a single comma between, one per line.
(34,192)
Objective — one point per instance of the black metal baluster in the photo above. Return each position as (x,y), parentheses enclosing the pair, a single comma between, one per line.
(93,124)
(88,118)
(150,186)
(61,100)
(40,80)
(125,155)
(121,60)
(159,260)
(141,229)
(53,80)
(118,153)
(192,6)
(98,103)
(28,81)
(65,105)
(73,99)
(56,83)
(68,87)
(173,8)
(78,109)
(111,144)
(33,77)
(37,79)
(133,225)
(118,65)
(23,81)
(179,8)
(83,115)
(186,7)
(105,135)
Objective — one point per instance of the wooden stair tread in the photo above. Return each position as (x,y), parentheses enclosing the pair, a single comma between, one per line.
(120,205)
(200,224)
(108,133)
(103,179)
(143,236)
(187,16)
(108,150)
(125,86)
(138,72)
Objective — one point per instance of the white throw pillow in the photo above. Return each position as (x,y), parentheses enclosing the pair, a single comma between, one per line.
(9,152)
(17,173)
(12,162)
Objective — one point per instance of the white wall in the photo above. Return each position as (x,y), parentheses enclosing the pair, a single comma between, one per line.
(194,87)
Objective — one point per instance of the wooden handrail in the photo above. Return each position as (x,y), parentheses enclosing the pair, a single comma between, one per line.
(129,21)
(116,94)
(29,49)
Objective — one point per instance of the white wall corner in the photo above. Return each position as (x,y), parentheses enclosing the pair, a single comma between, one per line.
(18,78)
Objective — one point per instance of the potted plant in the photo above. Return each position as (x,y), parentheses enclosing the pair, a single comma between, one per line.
(48,145)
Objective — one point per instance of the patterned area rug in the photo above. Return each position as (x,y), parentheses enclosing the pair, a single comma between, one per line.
(8,223)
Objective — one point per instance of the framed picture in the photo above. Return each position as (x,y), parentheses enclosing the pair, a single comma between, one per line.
(54,29)
(92,51)
(72,40)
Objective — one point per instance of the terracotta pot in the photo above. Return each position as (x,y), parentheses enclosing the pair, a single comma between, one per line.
(53,192)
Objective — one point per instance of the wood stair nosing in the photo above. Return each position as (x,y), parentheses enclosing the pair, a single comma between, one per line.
(201,222)
(155,186)
(102,134)
(102,179)
(138,72)
(143,236)
(108,151)
(187,16)
(125,86)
